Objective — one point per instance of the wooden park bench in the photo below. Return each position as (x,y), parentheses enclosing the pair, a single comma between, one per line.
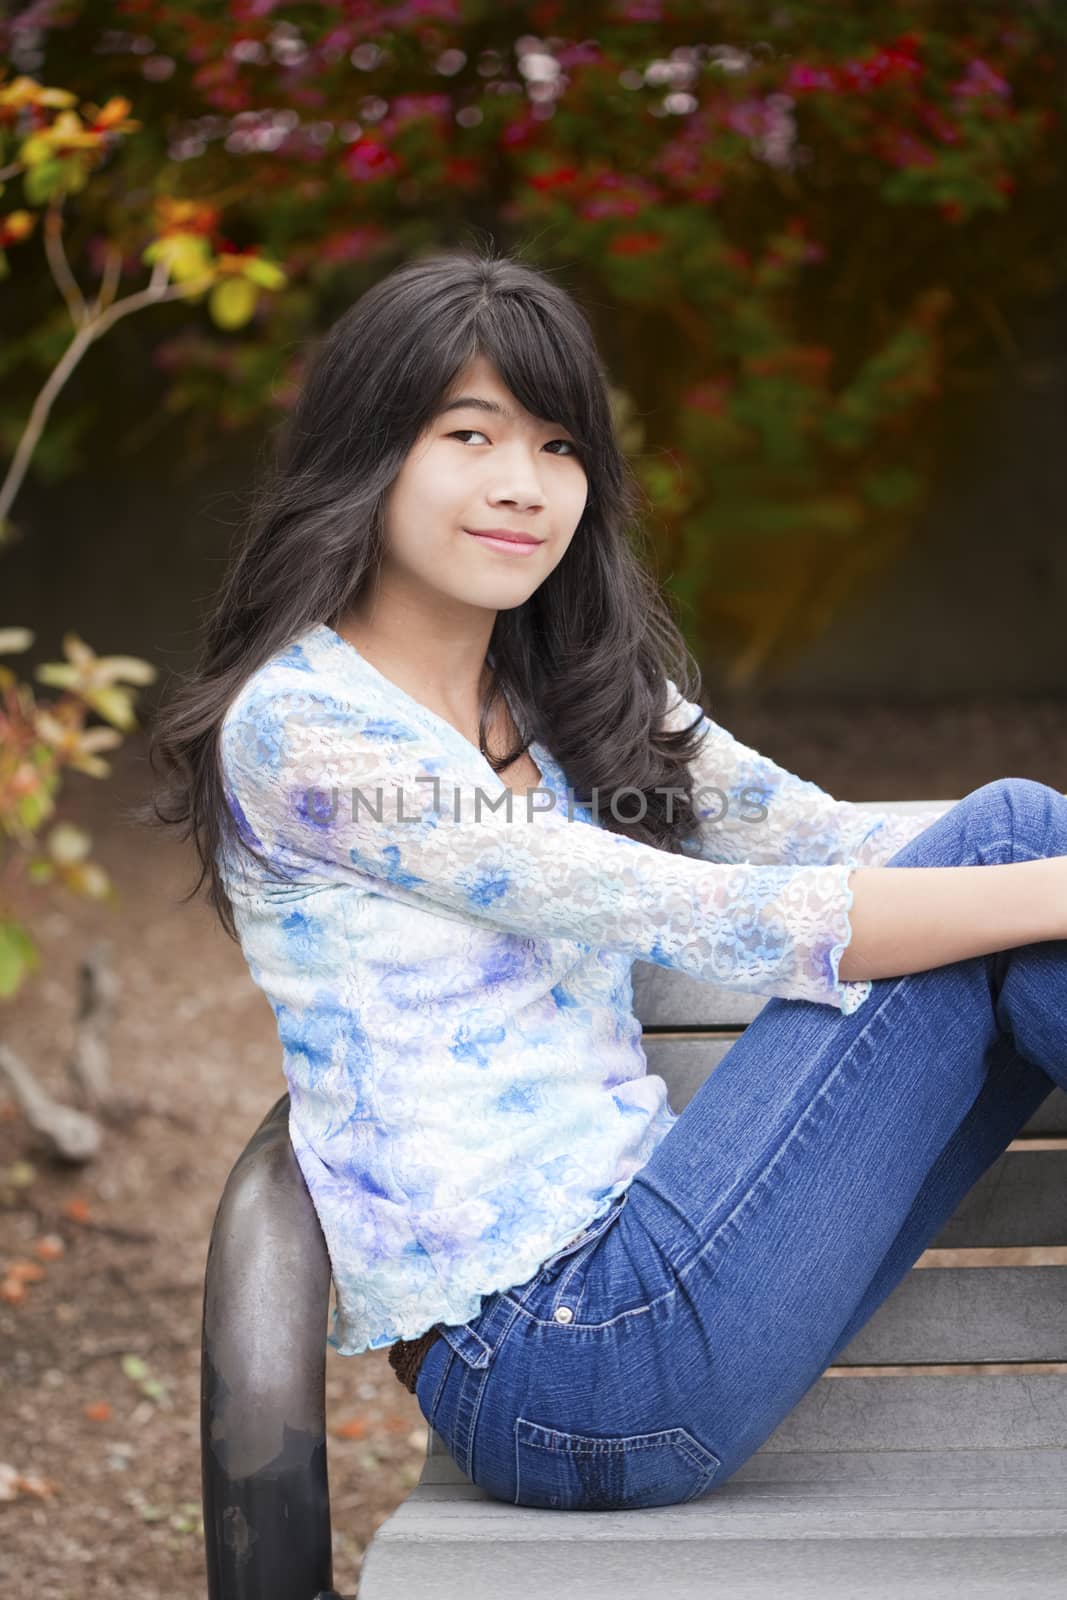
(930,1483)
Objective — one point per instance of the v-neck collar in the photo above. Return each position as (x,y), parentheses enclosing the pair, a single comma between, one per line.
(542,757)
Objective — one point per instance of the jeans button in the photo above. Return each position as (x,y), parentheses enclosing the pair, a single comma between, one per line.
(564,1313)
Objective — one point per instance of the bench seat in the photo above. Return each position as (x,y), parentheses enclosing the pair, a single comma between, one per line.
(921,1523)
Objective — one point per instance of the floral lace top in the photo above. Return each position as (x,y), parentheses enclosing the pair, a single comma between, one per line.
(449,967)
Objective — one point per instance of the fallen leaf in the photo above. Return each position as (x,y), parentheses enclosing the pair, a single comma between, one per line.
(33,1483)
(25,1271)
(99,1411)
(14,1483)
(355,1429)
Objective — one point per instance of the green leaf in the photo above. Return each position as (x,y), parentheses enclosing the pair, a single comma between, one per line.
(891,489)
(18,956)
(264,273)
(42,181)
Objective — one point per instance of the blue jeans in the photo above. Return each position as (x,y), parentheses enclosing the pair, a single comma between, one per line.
(643,1365)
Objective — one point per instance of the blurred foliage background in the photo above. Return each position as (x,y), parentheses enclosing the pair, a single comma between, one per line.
(802,231)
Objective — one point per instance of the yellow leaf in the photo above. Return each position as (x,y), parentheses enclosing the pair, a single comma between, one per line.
(114,705)
(134,669)
(232,303)
(57,674)
(68,843)
(90,880)
(265,274)
(187,255)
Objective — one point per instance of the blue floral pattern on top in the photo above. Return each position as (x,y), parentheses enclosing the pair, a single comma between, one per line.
(449,967)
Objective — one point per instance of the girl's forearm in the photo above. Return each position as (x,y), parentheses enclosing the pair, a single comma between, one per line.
(908,919)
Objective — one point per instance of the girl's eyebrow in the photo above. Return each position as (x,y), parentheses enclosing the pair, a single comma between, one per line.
(477,403)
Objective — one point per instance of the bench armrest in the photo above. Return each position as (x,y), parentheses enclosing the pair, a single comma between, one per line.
(263,1380)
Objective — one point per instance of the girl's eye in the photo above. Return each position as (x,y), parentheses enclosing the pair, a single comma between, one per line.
(572,448)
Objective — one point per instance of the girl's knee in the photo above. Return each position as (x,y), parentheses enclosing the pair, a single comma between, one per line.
(1029,816)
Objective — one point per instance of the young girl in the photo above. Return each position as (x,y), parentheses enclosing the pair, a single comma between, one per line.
(445,764)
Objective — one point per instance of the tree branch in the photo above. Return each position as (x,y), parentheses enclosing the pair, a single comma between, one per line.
(90,330)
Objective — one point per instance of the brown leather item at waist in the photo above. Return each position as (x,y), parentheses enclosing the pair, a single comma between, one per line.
(405,1357)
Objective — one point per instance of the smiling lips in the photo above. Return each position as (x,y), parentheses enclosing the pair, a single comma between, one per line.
(506,539)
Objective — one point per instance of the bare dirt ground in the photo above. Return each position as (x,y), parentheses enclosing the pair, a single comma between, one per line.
(104,1500)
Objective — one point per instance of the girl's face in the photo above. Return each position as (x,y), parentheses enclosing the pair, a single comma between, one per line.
(473,469)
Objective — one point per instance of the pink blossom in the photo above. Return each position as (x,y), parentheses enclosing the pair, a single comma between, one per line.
(709,396)
(355,244)
(940,126)
(254,8)
(642,11)
(420,11)
(746,117)
(593,210)
(519,131)
(903,149)
(366,159)
(578,55)
(802,77)
(980,80)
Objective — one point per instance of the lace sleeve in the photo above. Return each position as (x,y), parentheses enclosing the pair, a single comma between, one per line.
(337,792)
(890,831)
(754,810)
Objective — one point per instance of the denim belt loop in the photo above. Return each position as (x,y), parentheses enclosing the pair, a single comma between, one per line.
(476,1350)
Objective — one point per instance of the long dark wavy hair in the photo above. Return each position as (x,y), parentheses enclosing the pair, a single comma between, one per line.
(583,659)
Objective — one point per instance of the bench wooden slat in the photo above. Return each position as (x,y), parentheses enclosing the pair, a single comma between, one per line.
(684,1062)
(993,1411)
(944,1315)
(664,998)
(1020,1200)
(916,1524)
(927,1412)
(961,1314)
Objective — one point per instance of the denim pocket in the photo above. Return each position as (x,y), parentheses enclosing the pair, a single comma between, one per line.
(592,1472)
